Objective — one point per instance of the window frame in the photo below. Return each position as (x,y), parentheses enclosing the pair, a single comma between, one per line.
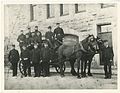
(48,12)
(62,12)
(77,9)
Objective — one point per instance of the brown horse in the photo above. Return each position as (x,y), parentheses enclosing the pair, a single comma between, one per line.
(77,53)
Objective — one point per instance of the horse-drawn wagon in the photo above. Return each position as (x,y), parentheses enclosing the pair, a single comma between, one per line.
(69,40)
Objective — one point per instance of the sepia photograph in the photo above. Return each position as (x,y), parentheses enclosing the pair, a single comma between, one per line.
(60,46)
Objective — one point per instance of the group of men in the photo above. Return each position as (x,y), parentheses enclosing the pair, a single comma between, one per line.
(33,51)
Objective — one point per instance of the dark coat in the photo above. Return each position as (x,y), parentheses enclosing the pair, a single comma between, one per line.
(35,55)
(27,41)
(107,53)
(29,34)
(45,53)
(38,39)
(33,40)
(25,54)
(50,35)
(13,56)
(21,39)
(59,33)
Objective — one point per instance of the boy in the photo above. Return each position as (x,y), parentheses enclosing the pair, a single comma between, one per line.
(25,56)
(108,59)
(13,57)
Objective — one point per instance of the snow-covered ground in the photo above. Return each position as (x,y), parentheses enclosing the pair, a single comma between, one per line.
(97,81)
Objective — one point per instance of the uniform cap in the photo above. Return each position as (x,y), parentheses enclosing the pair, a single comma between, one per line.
(49,27)
(36,26)
(13,45)
(57,23)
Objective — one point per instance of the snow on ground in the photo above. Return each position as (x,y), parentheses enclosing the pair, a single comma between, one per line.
(57,82)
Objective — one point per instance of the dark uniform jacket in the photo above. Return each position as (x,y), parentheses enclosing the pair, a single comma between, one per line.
(50,35)
(25,54)
(38,39)
(33,40)
(45,53)
(36,31)
(29,34)
(35,55)
(27,41)
(59,33)
(21,39)
(108,53)
(13,56)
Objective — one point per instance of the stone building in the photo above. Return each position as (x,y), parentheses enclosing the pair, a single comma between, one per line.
(79,19)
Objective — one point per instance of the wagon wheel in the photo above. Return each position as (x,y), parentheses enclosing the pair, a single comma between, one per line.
(57,68)
(21,67)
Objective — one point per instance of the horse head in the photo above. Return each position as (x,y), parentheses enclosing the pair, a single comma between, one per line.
(93,44)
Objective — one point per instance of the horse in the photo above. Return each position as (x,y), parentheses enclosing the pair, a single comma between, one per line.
(91,46)
(77,53)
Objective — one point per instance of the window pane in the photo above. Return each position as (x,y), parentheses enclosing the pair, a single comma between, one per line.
(81,7)
(106,28)
(50,10)
(66,9)
(35,12)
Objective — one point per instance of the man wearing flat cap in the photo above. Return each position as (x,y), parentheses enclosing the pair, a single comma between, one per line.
(59,33)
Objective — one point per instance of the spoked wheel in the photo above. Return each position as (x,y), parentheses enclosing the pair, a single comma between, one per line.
(21,67)
(57,68)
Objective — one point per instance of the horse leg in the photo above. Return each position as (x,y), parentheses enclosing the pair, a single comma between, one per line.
(82,64)
(61,68)
(85,66)
(73,72)
(78,68)
(89,68)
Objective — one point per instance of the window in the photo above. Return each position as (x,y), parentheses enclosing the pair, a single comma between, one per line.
(64,9)
(50,10)
(33,12)
(107,5)
(105,28)
(80,8)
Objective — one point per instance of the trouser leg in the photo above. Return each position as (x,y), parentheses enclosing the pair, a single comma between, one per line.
(105,69)
(110,71)
(14,69)
(29,69)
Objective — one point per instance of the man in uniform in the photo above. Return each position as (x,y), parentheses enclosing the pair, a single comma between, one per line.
(21,39)
(29,31)
(50,35)
(27,40)
(25,56)
(59,33)
(45,56)
(108,59)
(38,39)
(36,30)
(32,40)
(35,58)
(14,58)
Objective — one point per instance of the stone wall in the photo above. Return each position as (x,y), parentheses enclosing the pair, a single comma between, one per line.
(81,24)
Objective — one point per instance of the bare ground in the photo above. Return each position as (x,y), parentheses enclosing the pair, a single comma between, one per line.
(97,81)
